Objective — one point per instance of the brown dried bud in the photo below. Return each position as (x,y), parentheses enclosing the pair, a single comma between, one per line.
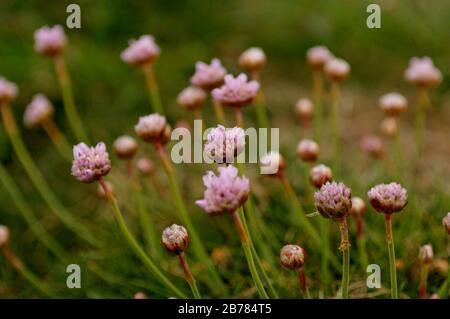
(175,239)
(292,256)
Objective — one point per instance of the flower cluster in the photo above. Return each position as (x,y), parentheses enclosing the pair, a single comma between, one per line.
(50,41)
(90,163)
(422,72)
(141,51)
(224,144)
(208,76)
(175,239)
(236,91)
(388,198)
(333,200)
(153,128)
(191,98)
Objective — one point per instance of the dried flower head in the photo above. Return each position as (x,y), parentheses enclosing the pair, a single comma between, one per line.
(224,193)
(145,166)
(191,98)
(422,72)
(393,104)
(292,256)
(308,150)
(4,236)
(175,239)
(389,126)
(50,41)
(272,163)
(318,56)
(90,163)
(304,109)
(253,59)
(333,200)
(426,254)
(320,174)
(358,209)
(8,91)
(388,198)
(125,147)
(141,51)
(208,76)
(38,111)
(337,70)
(153,128)
(446,223)
(236,91)
(224,144)
(372,145)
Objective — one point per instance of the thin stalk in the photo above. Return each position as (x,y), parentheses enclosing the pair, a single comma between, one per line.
(420,119)
(153,89)
(38,180)
(260,106)
(325,250)
(303,285)
(68,99)
(58,139)
(423,280)
(134,245)
(239,117)
(363,259)
(246,245)
(444,291)
(398,151)
(318,107)
(345,248)
(218,109)
(392,267)
(335,98)
(188,275)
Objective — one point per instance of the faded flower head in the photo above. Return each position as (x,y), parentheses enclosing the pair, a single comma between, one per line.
(308,150)
(175,239)
(304,109)
(388,198)
(389,126)
(446,223)
(272,163)
(292,256)
(50,41)
(337,69)
(253,59)
(153,128)
(236,91)
(426,254)
(145,166)
(358,209)
(125,147)
(224,144)
(333,200)
(208,76)
(393,104)
(191,97)
(8,91)
(4,236)
(38,111)
(422,72)
(372,145)
(320,174)
(224,193)
(318,56)
(141,51)
(90,163)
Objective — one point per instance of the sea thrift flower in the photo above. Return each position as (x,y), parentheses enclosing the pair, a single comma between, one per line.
(236,91)
(8,91)
(191,98)
(175,239)
(333,200)
(253,59)
(90,163)
(393,104)
(125,147)
(208,76)
(272,163)
(426,254)
(50,41)
(337,70)
(389,127)
(292,256)
(388,198)
(358,207)
(153,128)
(446,223)
(304,109)
(38,111)
(320,174)
(372,145)
(141,51)
(145,166)
(318,56)
(422,72)
(4,236)
(308,150)
(224,193)
(224,144)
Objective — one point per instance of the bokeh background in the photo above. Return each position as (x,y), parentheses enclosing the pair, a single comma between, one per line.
(110,96)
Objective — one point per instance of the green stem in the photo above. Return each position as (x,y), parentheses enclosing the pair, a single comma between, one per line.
(153,89)
(318,107)
(260,106)
(420,119)
(444,291)
(392,266)
(335,96)
(345,248)
(188,275)
(220,114)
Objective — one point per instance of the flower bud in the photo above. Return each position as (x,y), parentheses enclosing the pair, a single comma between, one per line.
(320,174)
(175,239)
(4,236)
(333,200)
(38,111)
(125,147)
(393,104)
(358,209)
(426,254)
(446,223)
(139,295)
(389,127)
(305,110)
(423,73)
(292,256)
(308,150)
(153,128)
(318,56)
(49,41)
(337,70)
(145,166)
(141,51)
(272,163)
(388,198)
(191,98)
(252,59)
(8,91)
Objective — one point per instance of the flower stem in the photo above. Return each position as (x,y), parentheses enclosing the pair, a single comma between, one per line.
(260,106)
(363,259)
(335,97)
(423,281)
(246,245)
(303,285)
(318,107)
(153,89)
(134,245)
(58,139)
(325,250)
(239,117)
(218,109)
(69,102)
(188,276)
(420,119)
(345,248)
(390,242)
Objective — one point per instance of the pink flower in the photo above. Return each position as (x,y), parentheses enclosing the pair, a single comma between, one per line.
(8,91)
(38,111)
(125,147)
(304,109)
(337,69)
(191,98)
(90,163)
(208,76)
(224,144)
(141,51)
(145,166)
(49,41)
(318,56)
(320,174)
(388,198)
(308,150)
(175,239)
(333,200)
(224,193)
(393,104)
(422,72)
(153,128)
(237,91)
(252,59)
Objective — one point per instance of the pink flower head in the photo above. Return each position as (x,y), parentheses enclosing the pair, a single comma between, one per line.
(153,128)
(4,236)
(141,51)
(208,76)
(191,98)
(318,56)
(320,174)
(175,239)
(90,163)
(49,41)
(236,91)
(422,72)
(305,110)
(224,144)
(393,104)
(8,91)
(308,150)
(224,193)
(388,198)
(38,111)
(337,69)
(333,200)
(252,59)
(372,145)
